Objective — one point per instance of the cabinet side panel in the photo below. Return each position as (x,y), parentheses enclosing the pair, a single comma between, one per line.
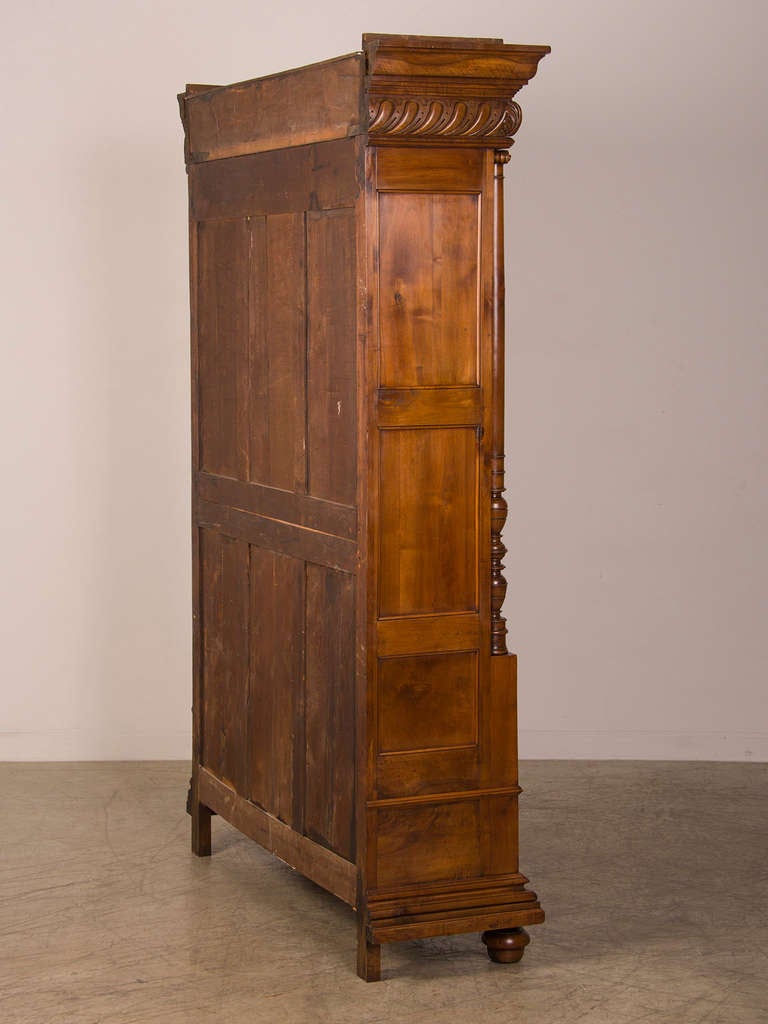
(331,355)
(275,493)
(224,633)
(330,710)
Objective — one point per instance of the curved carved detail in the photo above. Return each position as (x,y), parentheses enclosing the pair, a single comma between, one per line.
(498,550)
(498,502)
(426,116)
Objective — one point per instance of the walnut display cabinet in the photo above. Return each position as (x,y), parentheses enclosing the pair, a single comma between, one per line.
(354,700)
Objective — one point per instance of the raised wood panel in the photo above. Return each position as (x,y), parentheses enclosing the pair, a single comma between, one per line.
(322,866)
(446,841)
(276,705)
(428,521)
(428,843)
(330,710)
(428,702)
(277,535)
(225,645)
(223,265)
(331,339)
(428,289)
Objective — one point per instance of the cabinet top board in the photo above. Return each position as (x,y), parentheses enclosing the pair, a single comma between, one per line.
(399,89)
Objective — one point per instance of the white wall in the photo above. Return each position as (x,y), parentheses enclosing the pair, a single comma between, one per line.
(637,365)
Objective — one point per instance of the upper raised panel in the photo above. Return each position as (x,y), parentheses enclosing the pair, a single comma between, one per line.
(428,547)
(428,288)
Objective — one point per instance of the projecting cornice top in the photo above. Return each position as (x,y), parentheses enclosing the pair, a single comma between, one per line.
(403,90)
(438,90)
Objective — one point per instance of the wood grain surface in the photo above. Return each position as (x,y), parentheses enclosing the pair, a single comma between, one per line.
(355,705)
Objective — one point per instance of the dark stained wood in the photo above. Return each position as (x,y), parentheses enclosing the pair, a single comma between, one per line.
(330,707)
(278,455)
(506,946)
(354,704)
(201,828)
(225,641)
(318,864)
(498,502)
(319,177)
(331,440)
(223,248)
(277,535)
(311,104)
(274,503)
(276,673)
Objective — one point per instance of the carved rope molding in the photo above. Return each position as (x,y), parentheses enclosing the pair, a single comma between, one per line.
(444,116)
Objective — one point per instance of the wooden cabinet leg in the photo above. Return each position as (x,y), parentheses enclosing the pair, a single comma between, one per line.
(201,824)
(368,957)
(507,945)
(201,830)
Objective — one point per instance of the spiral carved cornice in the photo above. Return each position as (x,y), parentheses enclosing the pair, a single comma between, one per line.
(493,119)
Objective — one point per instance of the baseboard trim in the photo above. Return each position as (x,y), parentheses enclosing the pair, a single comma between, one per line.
(96,745)
(544,745)
(629,745)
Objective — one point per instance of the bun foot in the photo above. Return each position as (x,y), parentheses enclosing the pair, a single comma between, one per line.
(507,945)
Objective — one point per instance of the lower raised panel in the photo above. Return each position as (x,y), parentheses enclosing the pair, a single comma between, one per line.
(428,702)
(446,840)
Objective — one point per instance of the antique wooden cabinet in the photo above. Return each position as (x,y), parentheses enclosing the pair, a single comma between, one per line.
(354,701)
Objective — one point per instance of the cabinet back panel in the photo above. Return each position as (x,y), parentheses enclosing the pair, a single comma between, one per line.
(275,492)
(276,332)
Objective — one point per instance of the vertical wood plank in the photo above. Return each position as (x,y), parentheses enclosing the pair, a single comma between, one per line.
(278,347)
(258,351)
(276,678)
(222,319)
(330,710)
(224,629)
(331,434)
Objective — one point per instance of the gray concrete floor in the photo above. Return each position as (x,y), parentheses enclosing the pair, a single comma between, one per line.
(653,876)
